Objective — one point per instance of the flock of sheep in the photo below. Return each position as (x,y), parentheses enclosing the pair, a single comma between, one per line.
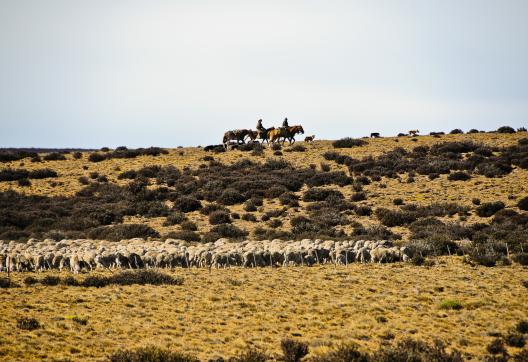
(78,255)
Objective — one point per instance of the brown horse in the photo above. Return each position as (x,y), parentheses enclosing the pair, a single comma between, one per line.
(237,135)
(264,134)
(252,135)
(286,133)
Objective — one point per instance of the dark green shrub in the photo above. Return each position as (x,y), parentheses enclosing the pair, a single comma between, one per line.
(151,354)
(250,206)
(359,196)
(521,259)
(7,283)
(289,199)
(54,156)
(496,347)
(175,218)
(249,217)
(522,327)
(28,324)
(70,281)
(122,232)
(456,131)
(392,218)
(50,280)
(186,235)
(187,204)
(515,340)
(363,210)
(210,208)
(522,356)
(30,280)
(219,217)
(96,157)
(397,201)
(489,208)
(231,197)
(348,143)
(250,354)
(523,203)
(293,351)
(321,194)
(343,353)
(505,129)
(24,182)
(229,231)
(459,176)
(188,226)
(417,351)
(296,148)
(132,277)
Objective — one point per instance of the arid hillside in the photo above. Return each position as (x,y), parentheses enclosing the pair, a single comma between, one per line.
(452,208)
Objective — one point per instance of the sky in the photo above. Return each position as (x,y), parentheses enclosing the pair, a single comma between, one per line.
(169,73)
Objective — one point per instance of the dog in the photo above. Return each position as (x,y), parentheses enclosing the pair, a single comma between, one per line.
(413,132)
(309,138)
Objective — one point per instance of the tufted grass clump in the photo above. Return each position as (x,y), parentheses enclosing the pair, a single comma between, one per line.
(151,354)
(132,277)
(451,304)
(28,324)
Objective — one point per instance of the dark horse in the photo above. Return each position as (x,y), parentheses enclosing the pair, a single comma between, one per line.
(285,133)
(237,135)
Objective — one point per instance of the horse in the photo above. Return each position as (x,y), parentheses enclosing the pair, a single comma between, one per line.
(252,135)
(237,135)
(413,132)
(263,135)
(375,135)
(286,133)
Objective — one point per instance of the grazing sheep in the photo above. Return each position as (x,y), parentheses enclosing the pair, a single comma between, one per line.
(138,253)
(75,264)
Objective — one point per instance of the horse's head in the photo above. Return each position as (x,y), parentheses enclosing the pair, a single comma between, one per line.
(298,129)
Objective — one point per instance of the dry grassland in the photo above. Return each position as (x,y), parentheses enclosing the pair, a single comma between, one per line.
(220,313)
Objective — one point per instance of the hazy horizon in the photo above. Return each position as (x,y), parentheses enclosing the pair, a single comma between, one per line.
(170,73)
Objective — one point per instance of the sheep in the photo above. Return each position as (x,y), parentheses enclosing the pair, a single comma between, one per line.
(75,264)
(137,253)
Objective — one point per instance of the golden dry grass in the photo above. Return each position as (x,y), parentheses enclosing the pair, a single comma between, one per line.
(218,314)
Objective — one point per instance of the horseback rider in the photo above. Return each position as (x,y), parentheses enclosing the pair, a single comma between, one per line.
(285,123)
(262,132)
(260,127)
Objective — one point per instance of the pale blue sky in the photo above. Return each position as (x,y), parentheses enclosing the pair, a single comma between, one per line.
(167,73)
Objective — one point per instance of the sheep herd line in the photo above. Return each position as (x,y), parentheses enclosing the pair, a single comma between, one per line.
(88,255)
